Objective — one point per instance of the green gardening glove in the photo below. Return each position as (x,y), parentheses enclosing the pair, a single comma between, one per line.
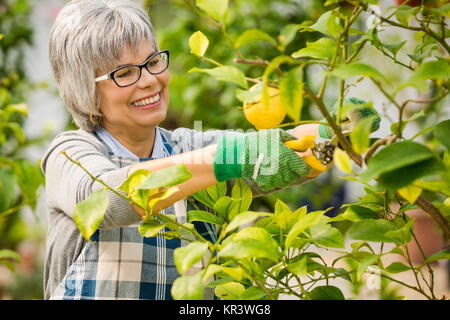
(359,109)
(261,157)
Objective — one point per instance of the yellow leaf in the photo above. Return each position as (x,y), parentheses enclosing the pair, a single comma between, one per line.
(198,43)
(342,161)
(410,192)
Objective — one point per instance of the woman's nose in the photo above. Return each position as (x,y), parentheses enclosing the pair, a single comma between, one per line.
(147,79)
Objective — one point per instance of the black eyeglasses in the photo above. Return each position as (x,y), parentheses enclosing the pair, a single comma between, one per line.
(129,74)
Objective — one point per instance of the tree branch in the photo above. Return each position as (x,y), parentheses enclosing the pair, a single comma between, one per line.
(434,213)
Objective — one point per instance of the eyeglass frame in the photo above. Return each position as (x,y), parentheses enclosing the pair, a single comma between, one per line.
(110,75)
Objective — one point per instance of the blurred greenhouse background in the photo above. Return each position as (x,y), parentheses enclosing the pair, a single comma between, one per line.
(25,71)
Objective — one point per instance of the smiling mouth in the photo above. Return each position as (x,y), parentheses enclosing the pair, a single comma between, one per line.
(147,101)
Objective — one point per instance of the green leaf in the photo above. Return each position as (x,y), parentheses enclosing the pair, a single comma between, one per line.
(353,69)
(129,186)
(410,192)
(200,215)
(395,156)
(404,13)
(242,196)
(321,23)
(299,267)
(216,191)
(203,197)
(198,43)
(285,218)
(397,267)
(252,293)
(30,178)
(394,126)
(275,63)
(291,92)
(342,161)
(326,235)
(419,57)
(441,255)
(251,242)
(364,264)
(17,130)
(326,293)
(359,136)
(150,229)
(249,96)
(371,230)
(19,108)
(225,73)
(323,48)
(434,185)
(244,218)
(356,213)
(301,225)
(404,176)
(88,214)
(134,180)
(7,183)
(287,34)
(229,291)
(9,254)
(330,2)
(327,24)
(394,48)
(254,35)
(218,9)
(166,177)
(166,194)
(402,235)
(442,133)
(188,287)
(224,206)
(186,257)
(436,70)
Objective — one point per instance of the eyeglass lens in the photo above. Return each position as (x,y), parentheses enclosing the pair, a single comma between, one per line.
(129,75)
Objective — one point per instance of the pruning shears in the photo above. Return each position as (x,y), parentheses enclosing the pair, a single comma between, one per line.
(322,149)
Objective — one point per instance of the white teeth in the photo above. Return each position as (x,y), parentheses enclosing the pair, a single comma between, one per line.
(147,101)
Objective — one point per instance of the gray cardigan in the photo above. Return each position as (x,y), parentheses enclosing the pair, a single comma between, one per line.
(67,184)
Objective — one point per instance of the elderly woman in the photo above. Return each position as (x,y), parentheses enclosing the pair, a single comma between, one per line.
(113,78)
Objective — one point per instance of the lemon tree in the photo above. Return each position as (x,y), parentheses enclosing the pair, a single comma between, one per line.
(267,255)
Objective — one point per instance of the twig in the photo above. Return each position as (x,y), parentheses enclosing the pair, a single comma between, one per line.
(406,285)
(423,28)
(387,140)
(434,213)
(18,207)
(336,129)
(157,214)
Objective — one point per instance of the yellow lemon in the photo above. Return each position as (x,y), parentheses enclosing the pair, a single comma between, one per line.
(265,117)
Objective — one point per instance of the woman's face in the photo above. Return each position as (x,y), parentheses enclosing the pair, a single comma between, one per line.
(139,107)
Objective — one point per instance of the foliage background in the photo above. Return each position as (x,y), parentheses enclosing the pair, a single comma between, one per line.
(194,97)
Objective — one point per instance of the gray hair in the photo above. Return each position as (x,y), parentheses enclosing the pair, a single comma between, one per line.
(89,36)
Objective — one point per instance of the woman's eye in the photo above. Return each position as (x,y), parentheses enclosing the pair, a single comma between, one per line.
(153,62)
(124,73)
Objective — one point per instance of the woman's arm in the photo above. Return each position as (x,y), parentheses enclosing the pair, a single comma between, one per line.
(199,162)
